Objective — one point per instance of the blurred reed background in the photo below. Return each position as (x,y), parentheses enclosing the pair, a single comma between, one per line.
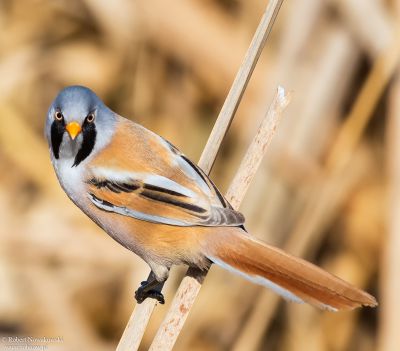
(329,188)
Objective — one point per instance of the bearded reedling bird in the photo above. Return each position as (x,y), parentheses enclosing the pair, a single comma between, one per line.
(154,201)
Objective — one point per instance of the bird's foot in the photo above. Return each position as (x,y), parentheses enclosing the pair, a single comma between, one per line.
(142,293)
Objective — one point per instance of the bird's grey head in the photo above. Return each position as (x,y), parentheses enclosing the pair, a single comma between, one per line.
(78,124)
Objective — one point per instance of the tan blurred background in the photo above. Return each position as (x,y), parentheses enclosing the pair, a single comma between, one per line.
(329,188)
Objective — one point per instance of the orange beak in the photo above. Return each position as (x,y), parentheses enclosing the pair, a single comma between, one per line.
(73,129)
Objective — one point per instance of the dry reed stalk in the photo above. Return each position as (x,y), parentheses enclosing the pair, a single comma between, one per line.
(173,323)
(140,317)
(321,202)
(256,151)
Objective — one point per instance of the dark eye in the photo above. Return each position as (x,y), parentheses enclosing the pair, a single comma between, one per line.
(58,116)
(90,117)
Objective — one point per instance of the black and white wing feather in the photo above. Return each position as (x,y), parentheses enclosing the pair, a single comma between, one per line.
(182,195)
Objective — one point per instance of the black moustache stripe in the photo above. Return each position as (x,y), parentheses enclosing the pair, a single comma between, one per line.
(89,139)
(57,132)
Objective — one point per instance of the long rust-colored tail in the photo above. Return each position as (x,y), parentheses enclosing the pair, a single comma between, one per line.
(289,276)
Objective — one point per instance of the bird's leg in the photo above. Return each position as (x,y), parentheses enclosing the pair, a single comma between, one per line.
(151,288)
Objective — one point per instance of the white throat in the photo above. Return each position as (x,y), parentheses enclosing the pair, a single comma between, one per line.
(71,178)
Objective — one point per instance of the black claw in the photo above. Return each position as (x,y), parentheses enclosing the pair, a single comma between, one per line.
(141,294)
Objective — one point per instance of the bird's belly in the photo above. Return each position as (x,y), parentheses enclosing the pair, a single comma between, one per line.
(154,243)
(159,243)
(72,181)
(118,227)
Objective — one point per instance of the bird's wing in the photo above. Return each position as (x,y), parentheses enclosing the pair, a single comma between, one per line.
(143,176)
